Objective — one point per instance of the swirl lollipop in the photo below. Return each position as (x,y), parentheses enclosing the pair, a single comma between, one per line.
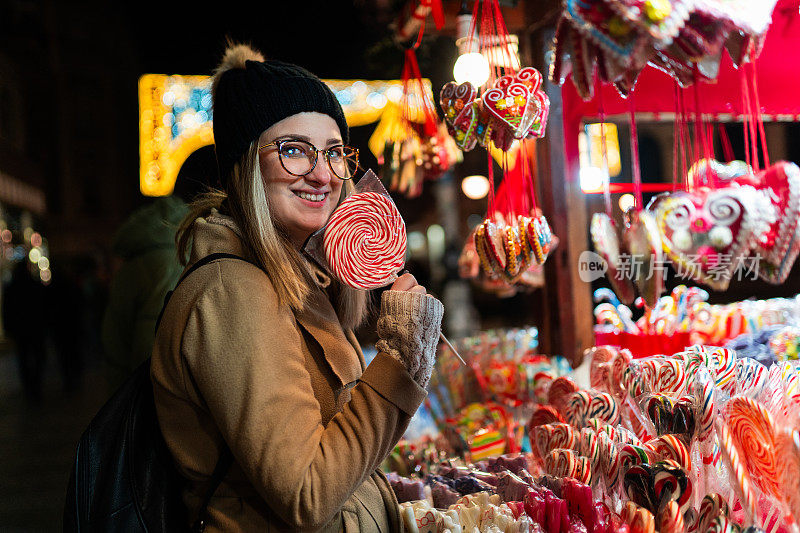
(365,241)
(753,431)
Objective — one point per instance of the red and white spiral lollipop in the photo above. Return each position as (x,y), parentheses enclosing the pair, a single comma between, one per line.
(365,241)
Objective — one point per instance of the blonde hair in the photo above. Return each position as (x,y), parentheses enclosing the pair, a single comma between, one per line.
(268,243)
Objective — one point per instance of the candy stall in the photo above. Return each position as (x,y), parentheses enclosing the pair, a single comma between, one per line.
(685,415)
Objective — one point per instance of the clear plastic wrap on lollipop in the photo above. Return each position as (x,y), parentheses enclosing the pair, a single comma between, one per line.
(364,243)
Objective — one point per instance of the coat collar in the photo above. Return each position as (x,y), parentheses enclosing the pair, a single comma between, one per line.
(218,233)
(320,320)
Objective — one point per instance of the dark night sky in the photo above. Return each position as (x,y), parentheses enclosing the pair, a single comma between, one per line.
(333,39)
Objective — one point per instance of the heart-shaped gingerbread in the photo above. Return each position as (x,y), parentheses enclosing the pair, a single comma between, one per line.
(509,102)
(779,244)
(465,128)
(642,240)
(541,106)
(707,233)
(455,99)
(621,41)
(489,245)
(540,237)
(462,113)
(606,243)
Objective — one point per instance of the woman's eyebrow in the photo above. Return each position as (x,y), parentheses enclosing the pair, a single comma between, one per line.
(293,136)
(334,141)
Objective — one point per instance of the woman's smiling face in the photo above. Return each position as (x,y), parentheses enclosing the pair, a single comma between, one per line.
(301,205)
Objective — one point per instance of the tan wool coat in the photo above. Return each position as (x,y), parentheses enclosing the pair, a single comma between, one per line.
(307,423)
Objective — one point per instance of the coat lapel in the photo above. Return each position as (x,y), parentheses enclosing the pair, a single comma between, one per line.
(320,320)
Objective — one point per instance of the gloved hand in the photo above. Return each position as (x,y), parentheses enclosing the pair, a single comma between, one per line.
(408,326)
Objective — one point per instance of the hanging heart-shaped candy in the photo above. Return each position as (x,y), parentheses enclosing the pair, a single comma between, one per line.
(779,244)
(515,260)
(509,103)
(495,247)
(531,78)
(455,99)
(642,240)
(621,41)
(540,237)
(660,20)
(464,129)
(541,106)
(484,251)
(525,243)
(706,233)
(606,243)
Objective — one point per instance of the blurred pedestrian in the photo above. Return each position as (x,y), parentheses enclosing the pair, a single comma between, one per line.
(150,268)
(25,322)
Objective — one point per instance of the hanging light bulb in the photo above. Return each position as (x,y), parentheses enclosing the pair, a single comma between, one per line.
(472,67)
(475,187)
(626,201)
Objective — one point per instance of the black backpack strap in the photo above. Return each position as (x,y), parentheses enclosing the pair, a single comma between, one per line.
(223,464)
(203,261)
(226,456)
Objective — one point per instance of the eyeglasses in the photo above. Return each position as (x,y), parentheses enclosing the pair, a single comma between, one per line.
(299,158)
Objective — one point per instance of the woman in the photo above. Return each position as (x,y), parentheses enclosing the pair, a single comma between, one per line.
(260,355)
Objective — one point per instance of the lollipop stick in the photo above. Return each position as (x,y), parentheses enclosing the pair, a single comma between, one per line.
(447,342)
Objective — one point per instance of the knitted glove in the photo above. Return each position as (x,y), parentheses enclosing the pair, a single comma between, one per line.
(408,327)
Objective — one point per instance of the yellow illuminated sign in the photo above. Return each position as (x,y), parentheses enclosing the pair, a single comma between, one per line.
(175,119)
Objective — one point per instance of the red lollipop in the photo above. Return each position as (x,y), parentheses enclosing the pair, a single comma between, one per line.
(365,241)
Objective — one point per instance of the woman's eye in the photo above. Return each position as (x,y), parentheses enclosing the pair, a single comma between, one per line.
(336,154)
(293,150)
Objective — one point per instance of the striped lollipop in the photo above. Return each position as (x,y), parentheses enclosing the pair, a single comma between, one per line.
(753,432)
(670,519)
(671,447)
(713,505)
(740,477)
(789,474)
(365,241)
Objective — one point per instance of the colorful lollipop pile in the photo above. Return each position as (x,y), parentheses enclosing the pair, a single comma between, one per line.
(699,441)
(684,38)
(727,410)
(686,311)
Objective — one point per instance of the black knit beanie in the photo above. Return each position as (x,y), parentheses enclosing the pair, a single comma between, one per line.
(251,94)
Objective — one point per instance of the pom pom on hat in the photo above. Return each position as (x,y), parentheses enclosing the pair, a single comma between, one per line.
(236,56)
(250,94)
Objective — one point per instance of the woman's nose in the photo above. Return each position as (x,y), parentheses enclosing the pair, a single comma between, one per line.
(321,173)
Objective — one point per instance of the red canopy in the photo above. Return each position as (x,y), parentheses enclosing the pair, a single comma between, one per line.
(777,71)
(778,79)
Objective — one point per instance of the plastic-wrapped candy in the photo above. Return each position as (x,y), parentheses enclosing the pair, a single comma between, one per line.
(580,502)
(511,488)
(442,494)
(513,463)
(470,485)
(407,489)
